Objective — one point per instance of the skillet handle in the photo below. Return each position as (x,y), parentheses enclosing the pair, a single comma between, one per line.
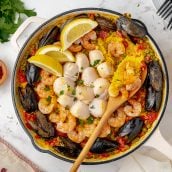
(158,142)
(15,37)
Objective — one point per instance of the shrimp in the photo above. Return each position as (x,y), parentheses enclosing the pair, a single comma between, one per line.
(44,91)
(105,130)
(86,40)
(118,118)
(59,114)
(89,128)
(134,86)
(134,109)
(75,48)
(116,49)
(68,125)
(46,105)
(47,78)
(77,135)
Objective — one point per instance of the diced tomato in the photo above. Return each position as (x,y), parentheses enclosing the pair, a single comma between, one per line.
(91,16)
(28,126)
(33,51)
(103,34)
(128,118)
(61,134)
(125,43)
(142,46)
(104,155)
(89,154)
(121,141)
(21,76)
(37,136)
(150,117)
(29,116)
(52,142)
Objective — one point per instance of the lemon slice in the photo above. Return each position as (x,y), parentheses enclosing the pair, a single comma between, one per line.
(74,30)
(47,63)
(56,52)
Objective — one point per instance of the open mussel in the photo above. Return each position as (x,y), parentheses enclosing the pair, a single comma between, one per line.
(51,37)
(102,146)
(154,86)
(131,129)
(28,98)
(105,24)
(42,126)
(32,73)
(131,27)
(68,148)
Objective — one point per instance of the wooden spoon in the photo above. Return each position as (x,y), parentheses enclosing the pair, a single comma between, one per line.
(113,104)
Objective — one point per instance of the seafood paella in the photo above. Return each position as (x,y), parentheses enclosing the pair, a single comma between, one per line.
(67,77)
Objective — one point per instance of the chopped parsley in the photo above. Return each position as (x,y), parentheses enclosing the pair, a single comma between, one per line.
(80,82)
(47,88)
(80,122)
(67,107)
(75,99)
(49,99)
(61,92)
(90,120)
(96,62)
(74,92)
(92,107)
(82,68)
(96,96)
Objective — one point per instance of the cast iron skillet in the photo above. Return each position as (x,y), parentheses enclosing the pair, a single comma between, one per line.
(35,36)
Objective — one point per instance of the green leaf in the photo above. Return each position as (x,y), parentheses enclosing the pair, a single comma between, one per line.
(90,120)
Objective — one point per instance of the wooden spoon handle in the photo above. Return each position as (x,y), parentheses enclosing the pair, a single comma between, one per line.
(95,134)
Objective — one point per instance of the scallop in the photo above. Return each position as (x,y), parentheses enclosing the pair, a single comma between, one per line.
(84,94)
(66,101)
(97,107)
(80,110)
(71,70)
(101,86)
(89,75)
(105,69)
(82,61)
(63,86)
(96,57)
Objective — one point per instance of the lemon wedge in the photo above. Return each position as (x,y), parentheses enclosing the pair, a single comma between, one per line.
(47,63)
(74,30)
(56,52)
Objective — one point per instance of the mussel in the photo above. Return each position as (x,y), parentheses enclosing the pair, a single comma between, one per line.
(102,146)
(131,129)
(154,86)
(69,148)
(28,98)
(105,24)
(32,73)
(42,126)
(51,37)
(131,27)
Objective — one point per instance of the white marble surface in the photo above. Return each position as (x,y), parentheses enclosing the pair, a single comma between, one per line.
(10,128)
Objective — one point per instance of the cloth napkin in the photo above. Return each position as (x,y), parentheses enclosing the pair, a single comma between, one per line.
(12,161)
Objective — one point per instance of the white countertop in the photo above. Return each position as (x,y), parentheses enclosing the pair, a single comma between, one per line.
(10,128)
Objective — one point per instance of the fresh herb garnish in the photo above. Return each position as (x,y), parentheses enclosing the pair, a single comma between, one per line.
(61,92)
(46,88)
(80,82)
(67,107)
(11,18)
(81,122)
(49,99)
(96,96)
(82,68)
(90,120)
(74,92)
(96,62)
(92,107)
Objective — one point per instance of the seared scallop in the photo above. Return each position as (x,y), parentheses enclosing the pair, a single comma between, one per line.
(82,61)
(97,107)
(85,94)
(63,86)
(96,57)
(65,100)
(71,70)
(101,86)
(105,70)
(80,110)
(89,75)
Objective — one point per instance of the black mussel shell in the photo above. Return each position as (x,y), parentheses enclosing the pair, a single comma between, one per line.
(131,27)
(28,98)
(32,73)
(131,129)
(51,37)
(42,126)
(105,24)
(150,98)
(69,148)
(155,75)
(158,100)
(102,146)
